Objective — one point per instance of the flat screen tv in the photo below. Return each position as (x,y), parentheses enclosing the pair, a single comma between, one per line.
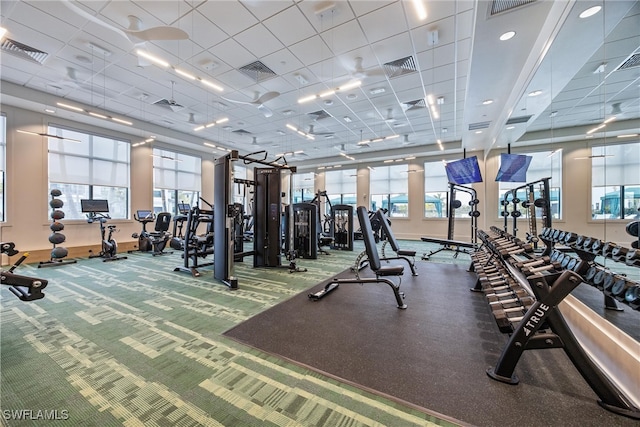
(464,171)
(513,168)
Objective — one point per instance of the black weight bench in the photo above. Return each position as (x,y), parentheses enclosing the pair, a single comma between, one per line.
(24,287)
(382,272)
(448,245)
(391,240)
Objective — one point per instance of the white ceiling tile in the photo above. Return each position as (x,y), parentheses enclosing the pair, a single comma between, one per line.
(266,8)
(290,26)
(231,16)
(311,50)
(325,15)
(201,31)
(345,37)
(236,55)
(259,41)
(384,22)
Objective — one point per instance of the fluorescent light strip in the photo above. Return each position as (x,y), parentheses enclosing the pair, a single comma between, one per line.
(211,85)
(629,135)
(70,107)
(421,12)
(124,122)
(330,92)
(28,132)
(100,116)
(384,138)
(184,74)
(152,58)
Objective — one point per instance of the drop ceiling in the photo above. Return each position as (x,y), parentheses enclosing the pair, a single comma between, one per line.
(424,80)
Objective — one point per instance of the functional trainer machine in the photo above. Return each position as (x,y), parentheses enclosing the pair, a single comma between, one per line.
(197,246)
(533,199)
(449,244)
(342,221)
(24,287)
(267,236)
(98,210)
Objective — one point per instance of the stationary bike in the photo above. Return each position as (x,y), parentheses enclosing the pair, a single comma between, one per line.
(97,210)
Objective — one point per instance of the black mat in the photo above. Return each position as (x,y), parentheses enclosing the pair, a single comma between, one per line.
(433,354)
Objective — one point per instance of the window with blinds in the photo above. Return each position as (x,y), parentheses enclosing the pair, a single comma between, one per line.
(615,181)
(340,186)
(303,187)
(436,190)
(89,166)
(389,188)
(177,178)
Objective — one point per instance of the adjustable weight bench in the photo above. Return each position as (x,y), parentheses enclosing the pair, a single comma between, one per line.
(391,239)
(382,272)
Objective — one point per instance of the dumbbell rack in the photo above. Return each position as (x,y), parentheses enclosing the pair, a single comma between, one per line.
(534,320)
(615,287)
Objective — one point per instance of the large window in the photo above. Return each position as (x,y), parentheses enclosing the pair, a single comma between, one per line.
(176,179)
(544,164)
(303,187)
(3,155)
(436,190)
(88,166)
(340,186)
(615,181)
(389,188)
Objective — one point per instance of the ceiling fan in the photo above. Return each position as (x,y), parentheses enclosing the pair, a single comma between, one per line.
(313,132)
(357,71)
(258,101)
(134,34)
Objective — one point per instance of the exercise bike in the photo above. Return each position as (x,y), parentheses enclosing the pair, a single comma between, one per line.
(152,241)
(97,210)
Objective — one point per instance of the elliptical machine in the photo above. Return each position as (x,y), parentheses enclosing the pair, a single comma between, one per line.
(98,210)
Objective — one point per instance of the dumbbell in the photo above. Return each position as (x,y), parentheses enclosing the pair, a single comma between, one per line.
(632,296)
(607,249)
(586,244)
(547,267)
(556,234)
(506,295)
(633,257)
(570,237)
(590,274)
(571,265)
(561,236)
(619,289)
(619,253)
(512,302)
(598,279)
(565,261)
(507,318)
(579,242)
(609,280)
(532,262)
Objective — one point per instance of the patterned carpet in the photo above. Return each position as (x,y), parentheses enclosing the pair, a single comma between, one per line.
(132,343)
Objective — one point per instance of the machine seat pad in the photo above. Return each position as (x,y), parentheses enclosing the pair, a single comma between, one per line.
(402,252)
(390,270)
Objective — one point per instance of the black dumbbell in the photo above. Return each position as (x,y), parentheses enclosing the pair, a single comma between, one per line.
(619,253)
(598,279)
(579,242)
(607,249)
(590,274)
(569,238)
(565,261)
(506,294)
(512,302)
(633,257)
(532,262)
(619,288)
(632,296)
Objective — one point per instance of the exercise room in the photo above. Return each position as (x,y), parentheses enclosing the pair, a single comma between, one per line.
(319,213)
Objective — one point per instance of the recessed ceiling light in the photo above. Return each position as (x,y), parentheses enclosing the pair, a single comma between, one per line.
(376,91)
(590,12)
(487,102)
(347,119)
(535,93)
(510,127)
(478,132)
(508,35)
(49,110)
(553,114)
(351,96)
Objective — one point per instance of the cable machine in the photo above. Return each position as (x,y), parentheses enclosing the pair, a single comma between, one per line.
(342,221)
(267,239)
(532,201)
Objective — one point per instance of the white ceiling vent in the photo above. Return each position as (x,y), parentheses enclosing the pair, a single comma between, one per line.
(23,51)
(479,125)
(257,71)
(517,120)
(499,6)
(241,132)
(319,115)
(414,105)
(169,104)
(400,67)
(632,61)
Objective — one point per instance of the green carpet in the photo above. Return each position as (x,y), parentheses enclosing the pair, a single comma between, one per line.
(133,343)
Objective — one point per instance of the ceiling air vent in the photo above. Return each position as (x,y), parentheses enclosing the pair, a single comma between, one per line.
(319,115)
(414,105)
(499,6)
(479,125)
(169,104)
(23,51)
(257,71)
(632,61)
(241,132)
(399,67)
(519,119)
